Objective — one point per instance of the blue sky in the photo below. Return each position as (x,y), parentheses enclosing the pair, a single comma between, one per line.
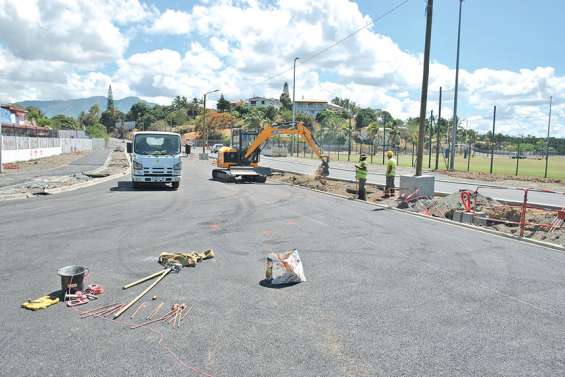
(511,53)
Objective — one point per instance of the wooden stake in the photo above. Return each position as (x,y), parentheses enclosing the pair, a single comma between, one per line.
(143,280)
(136,299)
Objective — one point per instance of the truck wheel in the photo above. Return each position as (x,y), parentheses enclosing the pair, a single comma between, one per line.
(175,185)
(261,179)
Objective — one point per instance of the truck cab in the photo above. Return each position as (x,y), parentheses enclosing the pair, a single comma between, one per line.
(155,158)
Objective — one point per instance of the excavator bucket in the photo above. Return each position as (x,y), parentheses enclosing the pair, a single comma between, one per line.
(324,168)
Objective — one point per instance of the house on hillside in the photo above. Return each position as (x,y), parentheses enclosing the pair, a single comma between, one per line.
(261,102)
(314,107)
(14,122)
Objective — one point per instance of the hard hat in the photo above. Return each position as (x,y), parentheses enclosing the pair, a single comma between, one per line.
(363,156)
(389,154)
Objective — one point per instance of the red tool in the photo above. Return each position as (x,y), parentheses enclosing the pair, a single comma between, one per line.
(94,289)
(466,201)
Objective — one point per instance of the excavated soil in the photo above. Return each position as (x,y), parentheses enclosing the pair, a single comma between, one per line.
(374,194)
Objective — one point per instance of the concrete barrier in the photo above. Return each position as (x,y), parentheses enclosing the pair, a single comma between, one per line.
(17,155)
(23,148)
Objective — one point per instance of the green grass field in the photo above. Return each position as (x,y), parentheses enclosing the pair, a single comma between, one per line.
(530,167)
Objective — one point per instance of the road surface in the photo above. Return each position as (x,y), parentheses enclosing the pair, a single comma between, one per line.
(388,294)
(309,166)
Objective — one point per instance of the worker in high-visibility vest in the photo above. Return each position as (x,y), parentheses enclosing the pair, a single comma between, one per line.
(390,174)
(361,176)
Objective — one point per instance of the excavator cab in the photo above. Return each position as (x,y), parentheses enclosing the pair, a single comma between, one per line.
(232,163)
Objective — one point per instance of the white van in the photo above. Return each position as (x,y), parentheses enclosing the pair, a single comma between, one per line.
(156,158)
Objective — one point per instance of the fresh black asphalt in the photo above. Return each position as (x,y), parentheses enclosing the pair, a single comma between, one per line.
(388,294)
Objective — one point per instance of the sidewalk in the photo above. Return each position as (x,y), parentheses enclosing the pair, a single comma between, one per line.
(62,165)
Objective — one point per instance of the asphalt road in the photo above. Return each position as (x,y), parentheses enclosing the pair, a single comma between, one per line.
(91,161)
(309,167)
(388,294)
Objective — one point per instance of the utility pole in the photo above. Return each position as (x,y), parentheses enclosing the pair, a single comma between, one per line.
(547,140)
(204,129)
(424,98)
(431,137)
(438,124)
(349,147)
(492,139)
(293,101)
(1,141)
(454,126)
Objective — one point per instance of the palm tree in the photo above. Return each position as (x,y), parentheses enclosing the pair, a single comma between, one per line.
(373,131)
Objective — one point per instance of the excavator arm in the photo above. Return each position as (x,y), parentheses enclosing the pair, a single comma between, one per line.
(270,131)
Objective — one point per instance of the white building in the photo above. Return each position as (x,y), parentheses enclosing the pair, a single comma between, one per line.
(314,107)
(261,102)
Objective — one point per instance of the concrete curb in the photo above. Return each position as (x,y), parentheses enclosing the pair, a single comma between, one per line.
(76,186)
(445,221)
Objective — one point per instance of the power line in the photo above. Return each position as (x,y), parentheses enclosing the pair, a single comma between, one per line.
(348,36)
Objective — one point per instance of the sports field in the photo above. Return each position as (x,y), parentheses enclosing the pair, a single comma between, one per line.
(503,165)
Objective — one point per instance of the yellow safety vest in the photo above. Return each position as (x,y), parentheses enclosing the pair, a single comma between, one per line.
(361,170)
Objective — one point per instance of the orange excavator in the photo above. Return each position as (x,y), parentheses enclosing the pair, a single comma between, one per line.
(240,161)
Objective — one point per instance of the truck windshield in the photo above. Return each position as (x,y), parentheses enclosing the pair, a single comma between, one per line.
(156,144)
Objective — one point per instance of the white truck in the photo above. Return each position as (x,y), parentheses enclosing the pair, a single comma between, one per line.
(155,158)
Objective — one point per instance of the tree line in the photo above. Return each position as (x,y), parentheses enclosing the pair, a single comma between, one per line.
(350,123)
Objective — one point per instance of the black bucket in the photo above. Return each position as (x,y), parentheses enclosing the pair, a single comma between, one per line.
(72,278)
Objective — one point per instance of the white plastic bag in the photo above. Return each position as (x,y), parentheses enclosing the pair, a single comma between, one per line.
(284,268)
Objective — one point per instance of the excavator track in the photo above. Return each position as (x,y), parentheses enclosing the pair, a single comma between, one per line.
(233,176)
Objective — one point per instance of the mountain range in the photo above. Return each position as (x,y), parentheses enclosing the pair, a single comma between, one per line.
(73,107)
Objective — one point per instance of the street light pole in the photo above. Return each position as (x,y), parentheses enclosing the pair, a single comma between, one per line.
(424,97)
(1,141)
(293,102)
(454,123)
(204,129)
(349,146)
(547,140)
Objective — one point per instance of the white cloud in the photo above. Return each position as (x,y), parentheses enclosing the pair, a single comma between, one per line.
(233,45)
(172,22)
(61,30)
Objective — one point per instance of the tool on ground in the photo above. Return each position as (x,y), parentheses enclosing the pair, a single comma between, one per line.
(94,289)
(40,302)
(241,160)
(142,305)
(143,280)
(164,273)
(185,259)
(78,298)
(154,312)
(91,312)
(176,309)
